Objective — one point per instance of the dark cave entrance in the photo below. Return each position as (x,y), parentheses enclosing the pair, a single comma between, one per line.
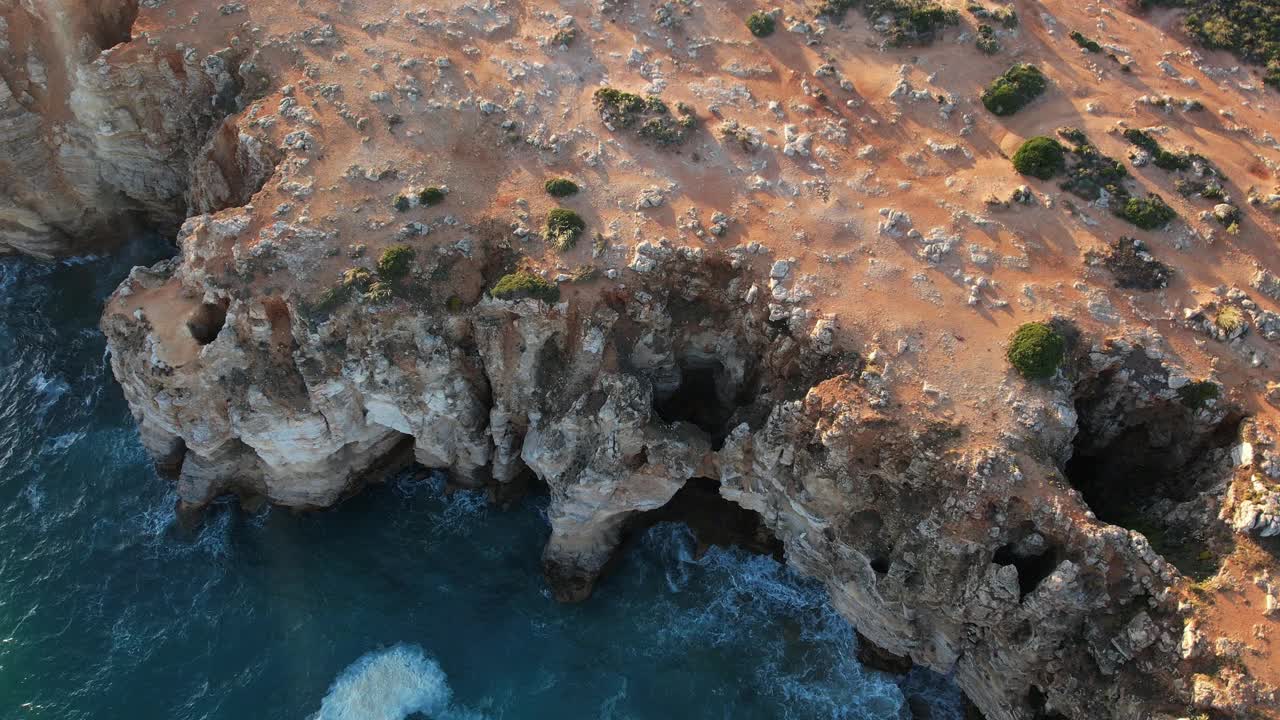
(1136,476)
(1033,564)
(713,520)
(206,321)
(114,25)
(705,397)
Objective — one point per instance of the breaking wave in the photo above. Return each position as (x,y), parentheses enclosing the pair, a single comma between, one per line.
(391,684)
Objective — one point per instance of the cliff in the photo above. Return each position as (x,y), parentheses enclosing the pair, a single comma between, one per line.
(791,273)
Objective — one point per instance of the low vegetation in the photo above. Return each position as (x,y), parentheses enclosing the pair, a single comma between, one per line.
(430,196)
(650,115)
(1036,350)
(760,24)
(1132,265)
(1197,395)
(525,284)
(1090,45)
(1040,157)
(563,228)
(1003,15)
(561,187)
(986,40)
(1148,213)
(903,22)
(1013,90)
(1160,157)
(1248,28)
(395,262)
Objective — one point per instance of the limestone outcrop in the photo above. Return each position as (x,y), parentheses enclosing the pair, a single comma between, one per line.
(771,278)
(101,137)
(973,559)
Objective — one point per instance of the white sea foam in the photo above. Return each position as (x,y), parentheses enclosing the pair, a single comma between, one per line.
(391,684)
(754,593)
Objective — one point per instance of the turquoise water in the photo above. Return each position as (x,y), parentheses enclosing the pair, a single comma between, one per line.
(405,602)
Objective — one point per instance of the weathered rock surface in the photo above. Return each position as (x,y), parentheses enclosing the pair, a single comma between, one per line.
(100,137)
(830,359)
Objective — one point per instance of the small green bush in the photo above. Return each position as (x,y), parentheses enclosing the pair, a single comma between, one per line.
(1011,92)
(1229,319)
(1142,140)
(402,203)
(561,187)
(1040,157)
(1161,158)
(395,261)
(522,284)
(911,22)
(1036,350)
(379,292)
(760,24)
(986,41)
(1197,395)
(431,196)
(357,277)
(1148,213)
(563,228)
(1085,42)
(618,107)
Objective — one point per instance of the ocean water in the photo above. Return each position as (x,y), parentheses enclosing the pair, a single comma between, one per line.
(406,602)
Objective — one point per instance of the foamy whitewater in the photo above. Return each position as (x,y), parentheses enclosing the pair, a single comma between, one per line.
(406,602)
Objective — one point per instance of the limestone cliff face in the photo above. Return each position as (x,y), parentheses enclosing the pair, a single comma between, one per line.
(100,136)
(970,558)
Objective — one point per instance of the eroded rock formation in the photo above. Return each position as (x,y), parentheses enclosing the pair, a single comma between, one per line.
(102,137)
(800,347)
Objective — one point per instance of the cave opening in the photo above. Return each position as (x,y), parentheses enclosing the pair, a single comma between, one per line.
(206,321)
(713,520)
(1135,471)
(1033,565)
(704,397)
(113,24)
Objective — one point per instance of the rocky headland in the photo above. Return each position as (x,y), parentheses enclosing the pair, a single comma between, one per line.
(763,276)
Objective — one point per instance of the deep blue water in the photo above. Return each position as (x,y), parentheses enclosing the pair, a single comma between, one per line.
(405,600)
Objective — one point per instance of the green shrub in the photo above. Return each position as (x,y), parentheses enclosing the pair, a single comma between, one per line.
(1161,158)
(522,284)
(624,110)
(1248,28)
(911,22)
(561,187)
(1011,92)
(379,292)
(395,261)
(357,278)
(621,108)
(1197,395)
(1085,42)
(1141,139)
(1036,350)
(1003,14)
(431,196)
(563,228)
(1040,157)
(1229,319)
(402,203)
(331,298)
(1148,213)
(986,41)
(1089,173)
(760,24)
